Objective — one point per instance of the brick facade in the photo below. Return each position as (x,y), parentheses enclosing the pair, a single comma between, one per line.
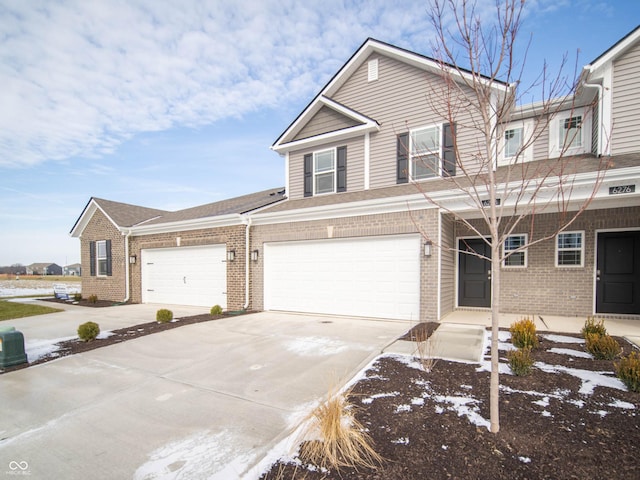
(544,289)
(110,288)
(424,221)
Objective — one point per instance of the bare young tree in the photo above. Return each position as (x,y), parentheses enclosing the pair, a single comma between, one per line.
(481,69)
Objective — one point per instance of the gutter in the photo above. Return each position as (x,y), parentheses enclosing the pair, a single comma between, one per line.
(127,272)
(247,260)
(600,105)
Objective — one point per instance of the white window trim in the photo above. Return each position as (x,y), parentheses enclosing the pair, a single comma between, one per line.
(524,251)
(525,155)
(335,170)
(555,147)
(98,258)
(557,250)
(438,173)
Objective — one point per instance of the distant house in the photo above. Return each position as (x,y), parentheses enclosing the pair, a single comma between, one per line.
(44,269)
(73,270)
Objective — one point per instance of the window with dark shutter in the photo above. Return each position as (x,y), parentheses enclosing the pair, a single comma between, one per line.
(448,150)
(402,158)
(342,170)
(92,259)
(308,175)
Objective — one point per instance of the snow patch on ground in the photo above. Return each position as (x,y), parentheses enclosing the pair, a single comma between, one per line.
(590,380)
(37,349)
(561,338)
(370,399)
(316,346)
(570,352)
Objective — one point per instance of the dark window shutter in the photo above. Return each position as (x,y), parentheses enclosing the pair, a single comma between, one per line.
(109,271)
(403,158)
(308,175)
(448,150)
(92,259)
(342,170)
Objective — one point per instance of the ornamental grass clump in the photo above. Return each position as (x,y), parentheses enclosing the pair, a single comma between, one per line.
(339,440)
(92,298)
(523,333)
(592,326)
(628,370)
(520,361)
(164,316)
(88,331)
(216,310)
(602,347)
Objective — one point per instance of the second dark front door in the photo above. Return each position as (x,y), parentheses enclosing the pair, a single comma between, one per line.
(474,273)
(618,273)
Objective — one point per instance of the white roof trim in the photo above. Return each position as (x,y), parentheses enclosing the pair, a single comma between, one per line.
(85,218)
(184,225)
(336,136)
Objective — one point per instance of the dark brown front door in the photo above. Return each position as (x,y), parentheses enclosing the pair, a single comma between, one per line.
(618,273)
(474,273)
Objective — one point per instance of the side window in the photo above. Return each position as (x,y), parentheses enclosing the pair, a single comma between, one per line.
(100,258)
(512,141)
(571,132)
(325,171)
(518,258)
(515,143)
(425,153)
(570,249)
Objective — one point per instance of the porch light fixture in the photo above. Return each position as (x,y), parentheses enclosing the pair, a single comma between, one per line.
(231,255)
(132,259)
(254,255)
(427,248)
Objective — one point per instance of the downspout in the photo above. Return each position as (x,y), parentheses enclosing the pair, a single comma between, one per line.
(247,260)
(126,267)
(600,102)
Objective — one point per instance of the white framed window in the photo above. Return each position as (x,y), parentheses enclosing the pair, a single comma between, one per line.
(425,152)
(101,258)
(514,136)
(517,258)
(570,133)
(570,249)
(324,171)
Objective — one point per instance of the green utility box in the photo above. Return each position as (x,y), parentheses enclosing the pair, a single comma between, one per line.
(11,347)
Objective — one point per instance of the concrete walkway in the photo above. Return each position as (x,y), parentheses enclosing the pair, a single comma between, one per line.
(207,400)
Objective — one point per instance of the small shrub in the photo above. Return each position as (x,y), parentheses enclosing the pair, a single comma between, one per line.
(593,326)
(78,296)
(520,361)
(93,298)
(216,310)
(628,370)
(163,315)
(523,333)
(88,331)
(602,347)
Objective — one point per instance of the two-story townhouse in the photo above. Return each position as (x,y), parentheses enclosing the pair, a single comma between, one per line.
(359,236)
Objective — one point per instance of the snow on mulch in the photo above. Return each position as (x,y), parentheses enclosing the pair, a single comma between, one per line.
(37,348)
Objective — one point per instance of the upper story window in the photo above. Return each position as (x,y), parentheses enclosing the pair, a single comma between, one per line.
(570,249)
(518,258)
(424,152)
(515,143)
(570,133)
(324,171)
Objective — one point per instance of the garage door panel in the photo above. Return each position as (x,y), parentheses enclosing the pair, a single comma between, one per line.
(185,276)
(369,276)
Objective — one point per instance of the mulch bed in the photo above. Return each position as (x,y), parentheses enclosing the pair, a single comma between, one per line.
(548,430)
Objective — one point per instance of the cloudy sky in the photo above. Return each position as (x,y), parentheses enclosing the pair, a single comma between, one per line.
(174,103)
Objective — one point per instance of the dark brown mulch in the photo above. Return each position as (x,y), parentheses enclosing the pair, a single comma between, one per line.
(548,429)
(71,347)
(420,332)
(82,303)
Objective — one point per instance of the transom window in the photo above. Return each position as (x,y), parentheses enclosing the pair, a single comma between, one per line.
(571,132)
(425,152)
(516,259)
(101,257)
(512,141)
(324,171)
(570,249)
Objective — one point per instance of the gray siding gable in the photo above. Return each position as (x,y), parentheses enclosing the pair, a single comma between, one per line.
(325,121)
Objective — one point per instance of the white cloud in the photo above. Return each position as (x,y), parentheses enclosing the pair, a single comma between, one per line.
(81,77)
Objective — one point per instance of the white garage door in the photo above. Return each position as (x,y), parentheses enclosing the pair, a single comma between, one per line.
(185,276)
(369,276)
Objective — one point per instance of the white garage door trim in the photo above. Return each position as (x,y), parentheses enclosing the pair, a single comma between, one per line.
(185,276)
(365,276)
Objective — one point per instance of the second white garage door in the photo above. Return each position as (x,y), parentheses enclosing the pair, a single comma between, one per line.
(369,276)
(185,276)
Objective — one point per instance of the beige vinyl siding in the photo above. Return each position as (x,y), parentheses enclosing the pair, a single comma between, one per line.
(326,120)
(355,166)
(626,103)
(403,97)
(541,143)
(447,266)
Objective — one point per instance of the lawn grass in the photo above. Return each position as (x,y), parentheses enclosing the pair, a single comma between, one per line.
(11,310)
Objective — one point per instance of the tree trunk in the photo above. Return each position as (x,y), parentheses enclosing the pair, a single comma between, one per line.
(494,388)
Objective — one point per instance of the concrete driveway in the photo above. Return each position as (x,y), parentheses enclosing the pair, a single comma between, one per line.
(208,400)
